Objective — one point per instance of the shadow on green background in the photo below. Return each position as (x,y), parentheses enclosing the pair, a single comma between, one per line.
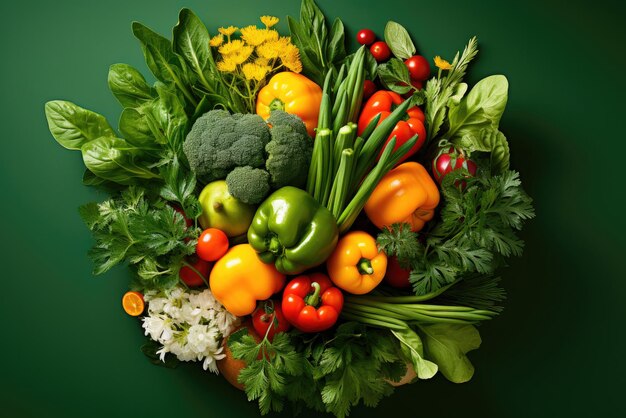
(70,351)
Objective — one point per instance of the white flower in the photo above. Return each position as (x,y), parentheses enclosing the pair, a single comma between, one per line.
(188,324)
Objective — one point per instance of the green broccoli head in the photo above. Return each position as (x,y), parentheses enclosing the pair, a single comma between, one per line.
(218,142)
(289,151)
(282,118)
(249,185)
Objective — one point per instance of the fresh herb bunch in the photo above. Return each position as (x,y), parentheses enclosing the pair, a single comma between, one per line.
(475,230)
(328,372)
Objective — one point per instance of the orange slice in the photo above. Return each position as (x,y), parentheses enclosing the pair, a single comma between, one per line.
(133,303)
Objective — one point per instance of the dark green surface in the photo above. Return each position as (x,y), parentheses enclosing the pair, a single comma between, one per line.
(68,350)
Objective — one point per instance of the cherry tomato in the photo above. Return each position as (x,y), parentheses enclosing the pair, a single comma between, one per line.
(365,37)
(419,68)
(380,50)
(269,313)
(449,160)
(396,276)
(369,88)
(191,277)
(212,244)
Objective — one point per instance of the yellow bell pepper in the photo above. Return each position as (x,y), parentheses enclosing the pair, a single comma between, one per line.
(293,93)
(406,194)
(356,265)
(239,279)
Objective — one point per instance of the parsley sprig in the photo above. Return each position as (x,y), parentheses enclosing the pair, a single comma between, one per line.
(476,229)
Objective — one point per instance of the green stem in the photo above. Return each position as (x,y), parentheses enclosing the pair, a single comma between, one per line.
(313,299)
(365,266)
(370,321)
(407,299)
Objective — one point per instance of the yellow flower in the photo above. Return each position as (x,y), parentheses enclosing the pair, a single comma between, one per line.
(231,47)
(442,64)
(227,31)
(269,21)
(290,57)
(268,50)
(241,55)
(253,35)
(216,41)
(255,71)
(262,61)
(226,66)
(269,34)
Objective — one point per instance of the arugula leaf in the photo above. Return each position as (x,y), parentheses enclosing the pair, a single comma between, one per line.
(72,126)
(395,76)
(128,86)
(399,40)
(447,345)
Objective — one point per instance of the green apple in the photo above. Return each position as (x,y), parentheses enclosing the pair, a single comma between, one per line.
(222,211)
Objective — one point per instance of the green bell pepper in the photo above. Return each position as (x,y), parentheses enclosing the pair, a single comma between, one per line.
(293,231)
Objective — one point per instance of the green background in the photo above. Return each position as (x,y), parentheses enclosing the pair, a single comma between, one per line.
(69,350)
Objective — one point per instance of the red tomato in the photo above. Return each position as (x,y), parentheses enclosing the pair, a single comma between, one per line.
(419,68)
(212,244)
(191,277)
(450,160)
(365,37)
(369,88)
(396,276)
(269,313)
(380,50)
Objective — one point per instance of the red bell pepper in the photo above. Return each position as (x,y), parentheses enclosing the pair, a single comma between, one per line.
(302,305)
(384,102)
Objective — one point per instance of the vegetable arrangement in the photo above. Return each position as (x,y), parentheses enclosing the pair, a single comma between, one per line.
(317,225)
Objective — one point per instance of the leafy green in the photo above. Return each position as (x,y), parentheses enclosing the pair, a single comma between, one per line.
(128,86)
(269,364)
(399,40)
(321,49)
(413,350)
(400,242)
(481,108)
(142,230)
(329,372)
(447,345)
(72,126)
(441,92)
(395,76)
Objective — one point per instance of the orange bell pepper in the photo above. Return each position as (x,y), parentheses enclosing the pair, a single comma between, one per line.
(239,279)
(406,194)
(356,265)
(293,93)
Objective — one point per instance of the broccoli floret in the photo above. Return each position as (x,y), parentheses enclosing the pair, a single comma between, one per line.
(289,155)
(218,142)
(249,185)
(282,118)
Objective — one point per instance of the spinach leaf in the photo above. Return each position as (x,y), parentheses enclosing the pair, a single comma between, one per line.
(169,114)
(413,350)
(190,41)
(166,65)
(128,85)
(447,344)
(72,126)
(395,76)
(320,50)
(481,108)
(116,160)
(399,40)
(135,128)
